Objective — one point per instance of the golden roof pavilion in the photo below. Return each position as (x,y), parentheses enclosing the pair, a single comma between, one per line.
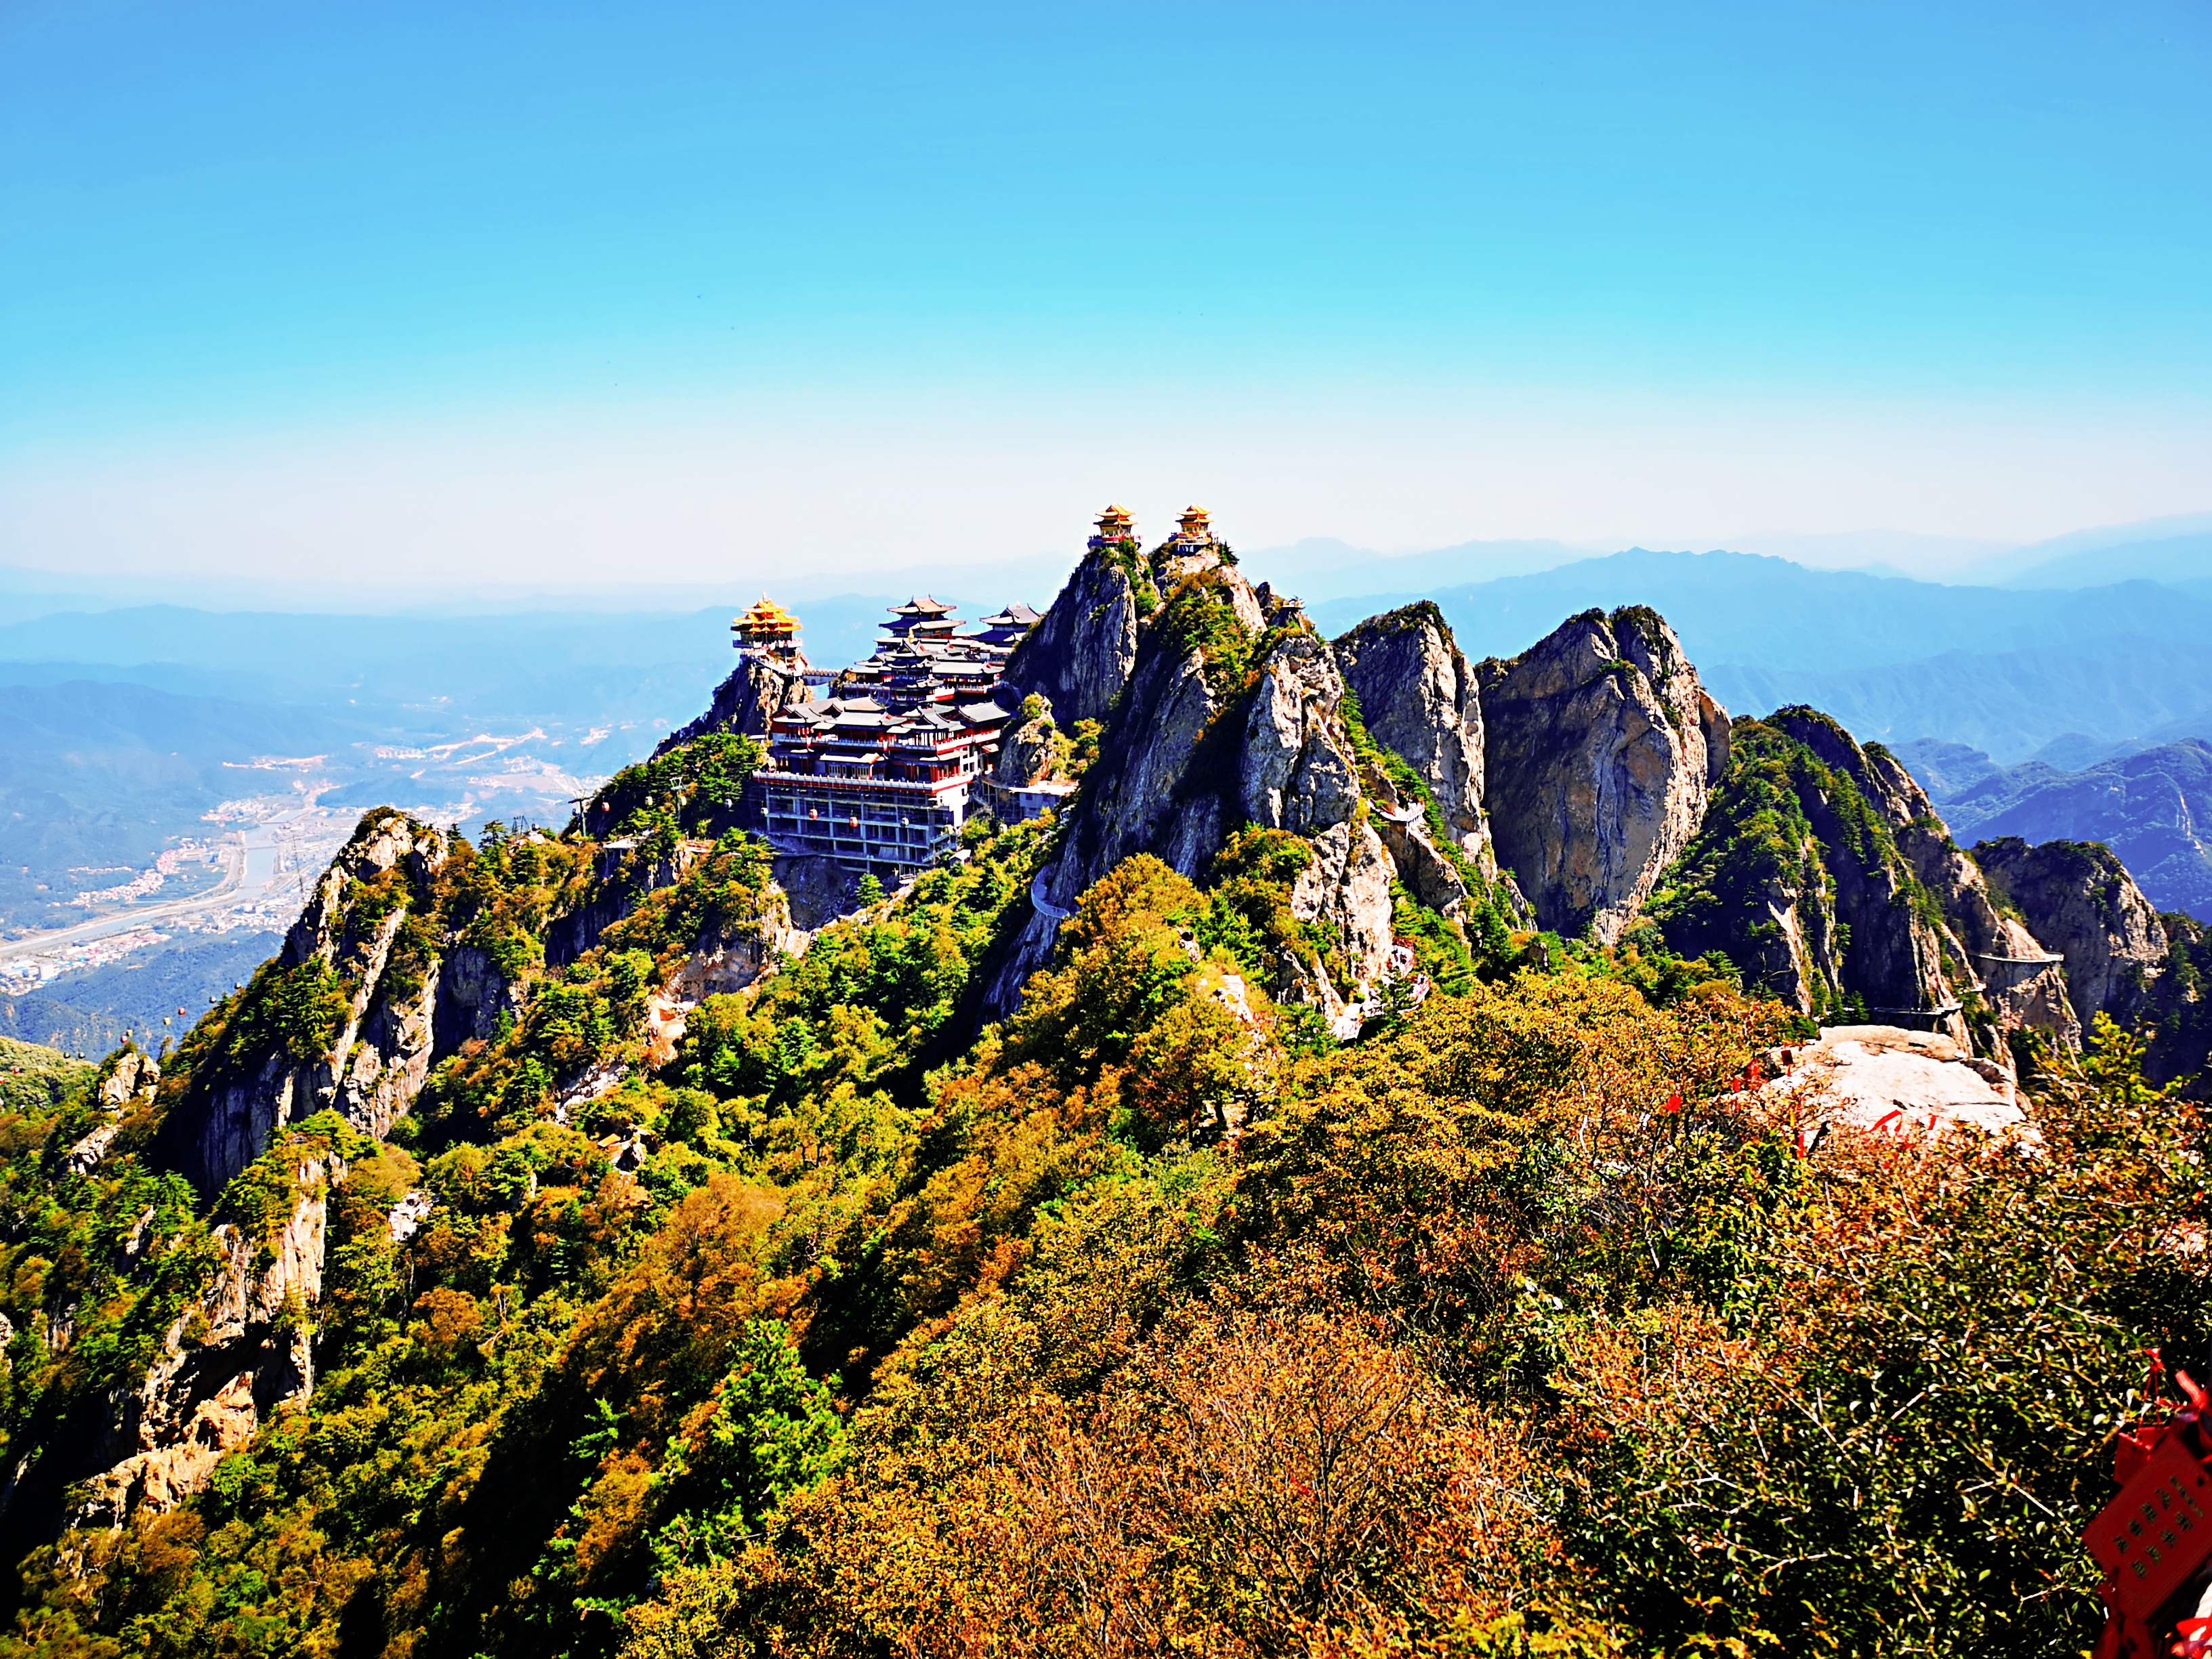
(767,624)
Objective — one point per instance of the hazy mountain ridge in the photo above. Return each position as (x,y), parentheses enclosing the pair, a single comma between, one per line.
(2153,808)
(1894,659)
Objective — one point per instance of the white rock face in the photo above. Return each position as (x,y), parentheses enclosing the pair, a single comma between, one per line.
(1347,886)
(1080,655)
(1295,770)
(1885,1078)
(1600,749)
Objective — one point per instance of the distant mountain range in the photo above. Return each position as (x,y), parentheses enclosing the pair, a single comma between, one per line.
(119,725)
(2152,807)
(2004,670)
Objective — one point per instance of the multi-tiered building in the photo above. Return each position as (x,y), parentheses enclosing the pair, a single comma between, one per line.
(881,774)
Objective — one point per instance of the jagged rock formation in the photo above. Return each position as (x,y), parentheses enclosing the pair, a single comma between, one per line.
(754,693)
(1229,716)
(339,1019)
(1080,656)
(1418,699)
(1819,871)
(2021,984)
(2080,902)
(242,1349)
(1599,750)
(1033,750)
(130,1083)
(729,957)
(381,978)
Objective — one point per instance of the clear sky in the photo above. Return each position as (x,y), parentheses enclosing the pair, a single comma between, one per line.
(506,291)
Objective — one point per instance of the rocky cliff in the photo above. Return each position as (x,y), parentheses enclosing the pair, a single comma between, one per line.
(1228,717)
(2080,902)
(409,951)
(1820,870)
(1599,750)
(1083,651)
(348,1016)
(2021,983)
(754,693)
(243,1347)
(1417,697)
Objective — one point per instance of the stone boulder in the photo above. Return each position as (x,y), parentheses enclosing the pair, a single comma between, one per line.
(1032,750)
(1887,1080)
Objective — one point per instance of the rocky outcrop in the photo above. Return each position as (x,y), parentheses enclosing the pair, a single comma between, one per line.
(1205,740)
(1081,653)
(728,959)
(2080,902)
(1418,699)
(133,1077)
(817,890)
(242,1350)
(1032,750)
(1295,769)
(755,692)
(368,1062)
(1600,748)
(1820,872)
(2022,985)
(130,1081)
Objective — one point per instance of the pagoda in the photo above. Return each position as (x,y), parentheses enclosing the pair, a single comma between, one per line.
(1009,628)
(1195,531)
(923,619)
(1116,525)
(765,630)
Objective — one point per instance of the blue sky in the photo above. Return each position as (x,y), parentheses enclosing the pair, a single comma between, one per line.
(503,289)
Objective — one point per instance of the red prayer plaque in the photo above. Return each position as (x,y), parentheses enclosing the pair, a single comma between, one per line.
(2156,1533)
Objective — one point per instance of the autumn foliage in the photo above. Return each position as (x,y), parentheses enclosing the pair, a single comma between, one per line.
(1134,1326)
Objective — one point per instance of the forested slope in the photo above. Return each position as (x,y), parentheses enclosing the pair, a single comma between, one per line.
(555,1250)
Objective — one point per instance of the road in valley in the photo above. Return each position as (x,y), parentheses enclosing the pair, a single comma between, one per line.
(254,860)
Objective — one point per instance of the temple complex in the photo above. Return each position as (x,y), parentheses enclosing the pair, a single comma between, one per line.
(881,774)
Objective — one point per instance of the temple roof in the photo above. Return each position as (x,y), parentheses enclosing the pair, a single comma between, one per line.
(923,606)
(765,617)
